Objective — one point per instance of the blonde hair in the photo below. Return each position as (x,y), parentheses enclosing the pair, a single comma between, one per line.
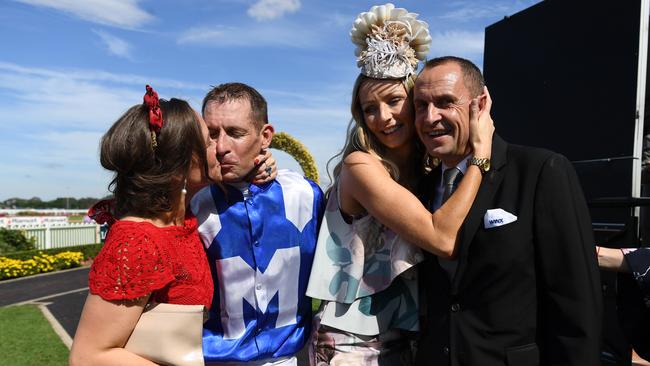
(360,138)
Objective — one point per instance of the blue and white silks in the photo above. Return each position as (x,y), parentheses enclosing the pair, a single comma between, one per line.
(260,248)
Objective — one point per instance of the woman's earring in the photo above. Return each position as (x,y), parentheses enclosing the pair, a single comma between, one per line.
(184,190)
(430,163)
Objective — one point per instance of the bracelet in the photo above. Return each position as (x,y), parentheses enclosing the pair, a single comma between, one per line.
(482,163)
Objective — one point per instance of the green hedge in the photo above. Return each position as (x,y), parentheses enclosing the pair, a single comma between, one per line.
(15,240)
(89,251)
(285,142)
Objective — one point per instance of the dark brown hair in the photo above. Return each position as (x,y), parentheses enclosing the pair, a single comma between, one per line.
(472,77)
(147,180)
(236,91)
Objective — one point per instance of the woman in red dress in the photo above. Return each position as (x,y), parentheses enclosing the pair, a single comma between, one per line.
(161,154)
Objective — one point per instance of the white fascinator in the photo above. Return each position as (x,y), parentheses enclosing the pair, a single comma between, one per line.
(390,42)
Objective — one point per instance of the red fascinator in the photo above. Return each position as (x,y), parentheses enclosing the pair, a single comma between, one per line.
(102,212)
(155,114)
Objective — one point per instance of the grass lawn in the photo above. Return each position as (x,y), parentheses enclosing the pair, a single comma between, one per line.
(28,339)
(75,219)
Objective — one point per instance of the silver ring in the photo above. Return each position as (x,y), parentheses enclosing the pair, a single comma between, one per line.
(268,170)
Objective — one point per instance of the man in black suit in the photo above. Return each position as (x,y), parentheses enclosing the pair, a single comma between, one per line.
(524,288)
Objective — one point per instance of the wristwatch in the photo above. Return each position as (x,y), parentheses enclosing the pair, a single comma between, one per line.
(482,163)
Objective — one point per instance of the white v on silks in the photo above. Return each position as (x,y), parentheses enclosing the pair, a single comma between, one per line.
(260,242)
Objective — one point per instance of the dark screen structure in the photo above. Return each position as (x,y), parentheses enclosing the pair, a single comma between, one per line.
(563,76)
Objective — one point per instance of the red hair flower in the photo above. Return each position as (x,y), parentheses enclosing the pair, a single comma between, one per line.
(102,212)
(155,114)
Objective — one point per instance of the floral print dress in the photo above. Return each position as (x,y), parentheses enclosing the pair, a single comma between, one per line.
(365,277)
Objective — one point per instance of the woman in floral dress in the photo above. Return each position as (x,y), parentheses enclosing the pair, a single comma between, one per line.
(374,226)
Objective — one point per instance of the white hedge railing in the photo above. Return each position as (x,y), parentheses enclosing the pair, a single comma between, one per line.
(50,237)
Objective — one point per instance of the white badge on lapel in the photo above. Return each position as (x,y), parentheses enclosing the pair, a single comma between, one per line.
(497,217)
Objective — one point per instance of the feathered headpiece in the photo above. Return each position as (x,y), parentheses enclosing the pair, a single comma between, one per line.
(390,42)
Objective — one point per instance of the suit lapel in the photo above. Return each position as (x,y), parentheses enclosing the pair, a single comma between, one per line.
(488,188)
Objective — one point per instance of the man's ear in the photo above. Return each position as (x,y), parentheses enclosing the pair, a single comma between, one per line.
(267,135)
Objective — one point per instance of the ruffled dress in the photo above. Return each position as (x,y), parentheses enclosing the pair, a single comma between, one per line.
(140,258)
(364,274)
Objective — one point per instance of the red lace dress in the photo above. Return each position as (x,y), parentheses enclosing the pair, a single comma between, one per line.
(140,258)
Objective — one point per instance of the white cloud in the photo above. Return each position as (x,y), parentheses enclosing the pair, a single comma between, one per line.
(472,12)
(250,36)
(117,13)
(55,102)
(79,99)
(64,147)
(465,11)
(305,116)
(271,9)
(318,118)
(116,46)
(322,147)
(96,76)
(338,20)
(21,180)
(51,121)
(207,35)
(457,43)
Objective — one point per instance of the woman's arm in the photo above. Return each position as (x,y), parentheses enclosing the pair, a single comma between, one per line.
(264,161)
(365,180)
(611,259)
(104,328)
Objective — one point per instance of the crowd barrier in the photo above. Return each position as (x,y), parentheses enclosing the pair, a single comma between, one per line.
(50,237)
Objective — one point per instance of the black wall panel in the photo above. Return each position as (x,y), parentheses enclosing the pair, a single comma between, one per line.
(563,76)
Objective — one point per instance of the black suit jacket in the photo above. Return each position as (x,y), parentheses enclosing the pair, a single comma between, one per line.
(525,293)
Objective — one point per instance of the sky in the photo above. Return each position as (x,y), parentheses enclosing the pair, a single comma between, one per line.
(69,69)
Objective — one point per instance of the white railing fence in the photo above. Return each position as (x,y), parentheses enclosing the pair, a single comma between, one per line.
(49,237)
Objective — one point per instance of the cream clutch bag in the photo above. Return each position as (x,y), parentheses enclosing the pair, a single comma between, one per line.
(169,334)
